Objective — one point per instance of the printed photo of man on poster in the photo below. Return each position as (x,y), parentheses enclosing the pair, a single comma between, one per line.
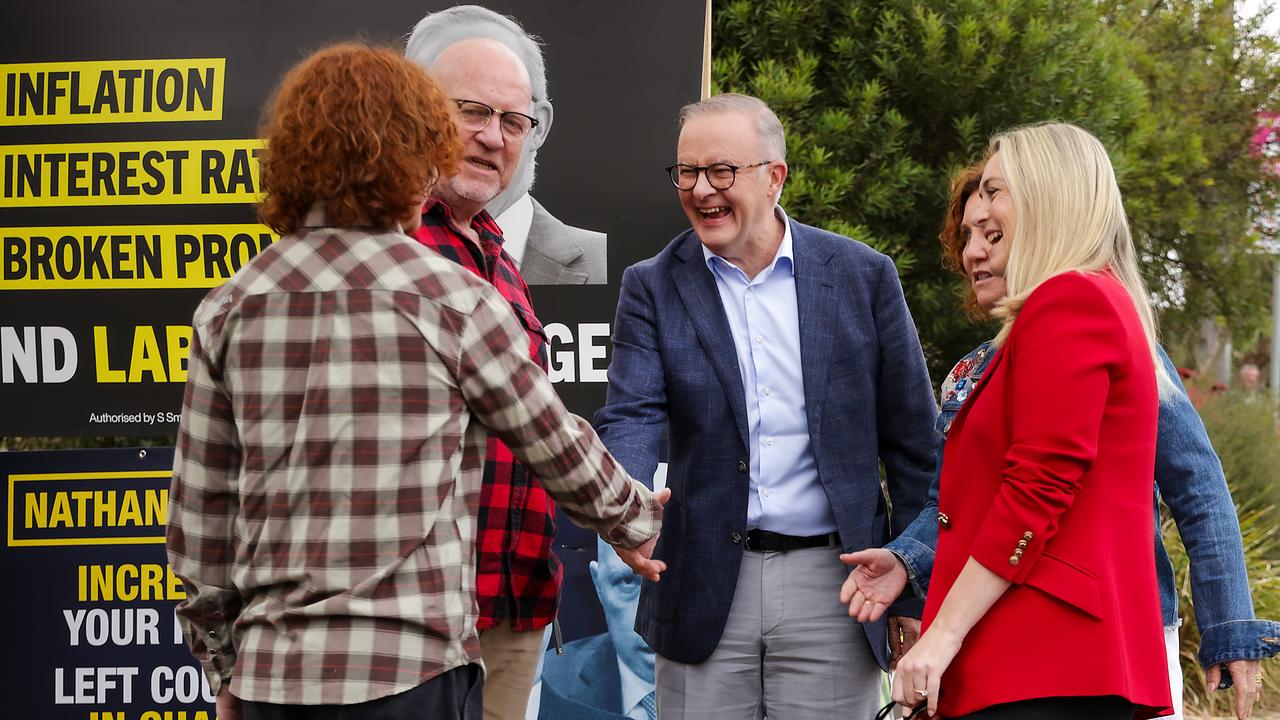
(607,676)
(106,352)
(547,250)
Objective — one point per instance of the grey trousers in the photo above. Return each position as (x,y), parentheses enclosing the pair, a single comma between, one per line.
(789,651)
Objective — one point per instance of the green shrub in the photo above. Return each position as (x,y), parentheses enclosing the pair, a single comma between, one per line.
(1261,533)
(1243,431)
(23,444)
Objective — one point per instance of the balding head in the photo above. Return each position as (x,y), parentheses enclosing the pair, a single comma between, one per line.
(487,62)
(439,30)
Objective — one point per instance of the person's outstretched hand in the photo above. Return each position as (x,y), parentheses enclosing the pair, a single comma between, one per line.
(874,584)
(640,558)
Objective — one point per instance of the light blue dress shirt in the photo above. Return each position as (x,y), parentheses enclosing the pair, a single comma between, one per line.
(786,495)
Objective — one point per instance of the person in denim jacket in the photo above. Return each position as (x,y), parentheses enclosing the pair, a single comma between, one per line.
(1188,476)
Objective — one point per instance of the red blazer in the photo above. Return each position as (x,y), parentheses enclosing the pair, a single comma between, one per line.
(1046,481)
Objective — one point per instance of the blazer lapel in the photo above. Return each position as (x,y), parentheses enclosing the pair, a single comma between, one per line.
(550,251)
(697,289)
(815,298)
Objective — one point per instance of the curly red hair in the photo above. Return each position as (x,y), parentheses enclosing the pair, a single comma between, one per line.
(360,130)
(963,184)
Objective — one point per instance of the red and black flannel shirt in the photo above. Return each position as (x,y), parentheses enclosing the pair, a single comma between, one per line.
(517,576)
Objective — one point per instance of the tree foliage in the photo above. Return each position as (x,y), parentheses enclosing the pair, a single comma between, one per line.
(1196,192)
(883,100)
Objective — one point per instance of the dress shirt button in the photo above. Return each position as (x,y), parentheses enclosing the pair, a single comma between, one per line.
(765,492)
(768,441)
(736,537)
(759,339)
(742,466)
(944,521)
(767,392)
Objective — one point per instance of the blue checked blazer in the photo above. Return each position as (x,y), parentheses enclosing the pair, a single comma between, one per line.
(674,373)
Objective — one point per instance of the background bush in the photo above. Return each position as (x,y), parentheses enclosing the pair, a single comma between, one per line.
(1243,430)
(882,100)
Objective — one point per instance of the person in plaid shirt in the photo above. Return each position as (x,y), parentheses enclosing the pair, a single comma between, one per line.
(341,389)
(518,578)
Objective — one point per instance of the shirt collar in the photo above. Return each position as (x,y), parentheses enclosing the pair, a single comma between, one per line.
(633,688)
(785,250)
(483,221)
(317,217)
(515,222)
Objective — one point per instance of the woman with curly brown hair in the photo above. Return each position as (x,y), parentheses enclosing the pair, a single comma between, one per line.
(340,392)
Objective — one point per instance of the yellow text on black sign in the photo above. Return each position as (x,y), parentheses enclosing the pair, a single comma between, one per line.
(88,508)
(127,258)
(121,354)
(182,172)
(70,93)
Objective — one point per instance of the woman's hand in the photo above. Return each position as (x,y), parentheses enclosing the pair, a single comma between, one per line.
(920,671)
(874,584)
(1246,676)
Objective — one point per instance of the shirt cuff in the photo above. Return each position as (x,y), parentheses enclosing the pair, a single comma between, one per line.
(217,670)
(644,524)
(1238,640)
(917,558)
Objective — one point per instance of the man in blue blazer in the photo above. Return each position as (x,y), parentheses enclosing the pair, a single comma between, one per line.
(783,366)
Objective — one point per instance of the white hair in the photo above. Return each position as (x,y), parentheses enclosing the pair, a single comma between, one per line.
(439,30)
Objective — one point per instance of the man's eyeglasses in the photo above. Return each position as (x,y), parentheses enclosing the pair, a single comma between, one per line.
(474,116)
(719,175)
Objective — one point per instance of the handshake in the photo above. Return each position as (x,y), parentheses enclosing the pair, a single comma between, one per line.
(640,558)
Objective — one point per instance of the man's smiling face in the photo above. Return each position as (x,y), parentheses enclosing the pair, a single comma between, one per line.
(726,219)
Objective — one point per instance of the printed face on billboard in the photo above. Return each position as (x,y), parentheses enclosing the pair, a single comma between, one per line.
(131,144)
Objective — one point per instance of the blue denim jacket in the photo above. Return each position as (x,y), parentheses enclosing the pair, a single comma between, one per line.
(1190,480)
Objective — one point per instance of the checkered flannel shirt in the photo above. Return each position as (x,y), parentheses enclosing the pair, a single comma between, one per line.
(329,461)
(517,576)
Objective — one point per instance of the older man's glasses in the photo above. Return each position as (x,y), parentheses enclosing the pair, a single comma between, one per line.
(719,175)
(474,116)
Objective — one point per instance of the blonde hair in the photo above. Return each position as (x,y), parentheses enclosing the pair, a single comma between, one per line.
(1068,217)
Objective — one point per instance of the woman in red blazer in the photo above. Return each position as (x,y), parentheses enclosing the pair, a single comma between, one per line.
(1043,600)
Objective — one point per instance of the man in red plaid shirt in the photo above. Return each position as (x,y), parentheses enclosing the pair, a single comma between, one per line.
(517,577)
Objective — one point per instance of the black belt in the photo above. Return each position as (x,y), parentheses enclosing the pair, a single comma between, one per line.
(765,541)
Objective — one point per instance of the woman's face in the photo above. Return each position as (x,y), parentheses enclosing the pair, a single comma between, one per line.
(988,215)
